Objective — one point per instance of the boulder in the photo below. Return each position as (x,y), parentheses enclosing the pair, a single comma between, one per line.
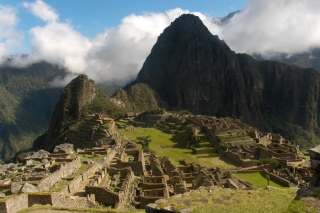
(65,148)
(151,208)
(2,195)
(44,161)
(15,187)
(232,184)
(29,188)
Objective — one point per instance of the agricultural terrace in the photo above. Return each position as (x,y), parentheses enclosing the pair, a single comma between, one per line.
(257,179)
(164,145)
(240,201)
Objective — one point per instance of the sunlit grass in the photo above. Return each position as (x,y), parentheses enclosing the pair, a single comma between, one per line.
(163,144)
(235,201)
(257,179)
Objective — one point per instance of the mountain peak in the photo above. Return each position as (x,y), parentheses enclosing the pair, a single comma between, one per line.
(74,97)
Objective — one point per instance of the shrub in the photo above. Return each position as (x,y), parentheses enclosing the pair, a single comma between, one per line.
(268,161)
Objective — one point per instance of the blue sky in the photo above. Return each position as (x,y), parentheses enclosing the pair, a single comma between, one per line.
(110,39)
(92,16)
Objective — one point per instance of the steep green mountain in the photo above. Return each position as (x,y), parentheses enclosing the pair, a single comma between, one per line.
(189,68)
(26,103)
(139,97)
(82,97)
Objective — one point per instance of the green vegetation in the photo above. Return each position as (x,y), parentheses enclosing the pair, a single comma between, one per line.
(240,201)
(145,141)
(26,105)
(257,179)
(300,206)
(102,103)
(75,210)
(268,161)
(164,145)
(151,112)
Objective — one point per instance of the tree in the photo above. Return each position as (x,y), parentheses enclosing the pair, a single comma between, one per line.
(145,140)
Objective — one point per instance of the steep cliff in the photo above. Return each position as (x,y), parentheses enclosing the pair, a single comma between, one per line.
(79,92)
(192,69)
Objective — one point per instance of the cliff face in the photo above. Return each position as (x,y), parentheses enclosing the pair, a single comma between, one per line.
(79,92)
(192,69)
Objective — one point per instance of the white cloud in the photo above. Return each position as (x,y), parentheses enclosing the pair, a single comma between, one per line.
(10,38)
(272,26)
(118,53)
(42,10)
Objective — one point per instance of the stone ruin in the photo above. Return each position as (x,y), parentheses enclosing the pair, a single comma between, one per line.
(124,177)
(249,155)
(315,165)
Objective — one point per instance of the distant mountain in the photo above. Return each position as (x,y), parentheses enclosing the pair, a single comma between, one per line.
(309,59)
(189,68)
(27,101)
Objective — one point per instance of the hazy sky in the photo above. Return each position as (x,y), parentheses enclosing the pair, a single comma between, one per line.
(110,39)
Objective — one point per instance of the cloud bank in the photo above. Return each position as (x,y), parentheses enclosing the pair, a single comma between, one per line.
(268,27)
(10,38)
(117,54)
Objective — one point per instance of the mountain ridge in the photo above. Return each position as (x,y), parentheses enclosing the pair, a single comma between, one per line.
(192,69)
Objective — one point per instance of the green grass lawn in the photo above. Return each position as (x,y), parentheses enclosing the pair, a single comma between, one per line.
(163,144)
(239,201)
(256,179)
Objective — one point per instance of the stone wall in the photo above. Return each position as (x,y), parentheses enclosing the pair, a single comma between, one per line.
(61,200)
(73,185)
(65,170)
(14,204)
(137,167)
(237,160)
(153,185)
(39,198)
(278,179)
(104,195)
(90,171)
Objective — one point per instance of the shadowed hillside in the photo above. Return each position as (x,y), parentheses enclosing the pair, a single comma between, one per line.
(189,68)
(27,101)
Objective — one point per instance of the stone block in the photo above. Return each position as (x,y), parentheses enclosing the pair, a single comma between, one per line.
(15,187)
(29,188)
(65,148)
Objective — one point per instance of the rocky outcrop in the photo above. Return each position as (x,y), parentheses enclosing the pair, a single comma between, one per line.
(65,148)
(29,188)
(79,92)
